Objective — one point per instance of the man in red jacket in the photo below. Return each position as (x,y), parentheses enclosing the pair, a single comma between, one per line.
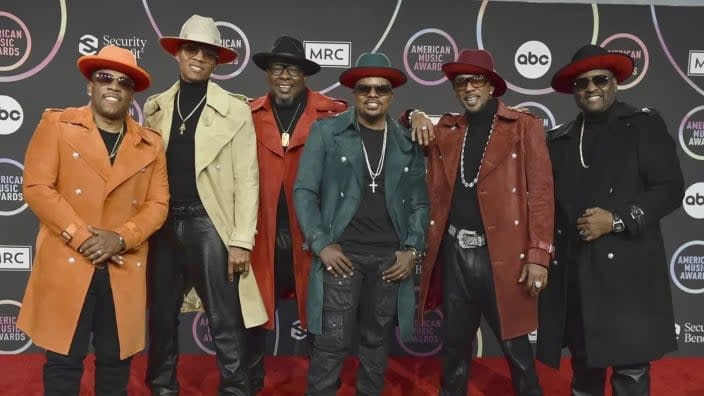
(491,228)
(282,119)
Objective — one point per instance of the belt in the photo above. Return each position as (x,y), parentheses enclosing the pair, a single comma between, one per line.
(467,239)
(190,209)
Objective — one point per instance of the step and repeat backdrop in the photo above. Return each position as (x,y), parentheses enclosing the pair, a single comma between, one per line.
(39,45)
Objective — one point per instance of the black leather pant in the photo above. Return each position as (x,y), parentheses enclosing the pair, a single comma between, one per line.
(627,380)
(284,280)
(188,251)
(62,373)
(363,298)
(468,293)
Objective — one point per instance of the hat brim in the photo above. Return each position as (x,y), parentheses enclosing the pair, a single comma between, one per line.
(350,77)
(454,69)
(619,64)
(88,64)
(264,59)
(173,44)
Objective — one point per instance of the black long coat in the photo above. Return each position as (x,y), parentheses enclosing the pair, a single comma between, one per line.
(623,278)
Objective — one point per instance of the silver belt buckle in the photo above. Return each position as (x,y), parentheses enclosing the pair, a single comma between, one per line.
(467,239)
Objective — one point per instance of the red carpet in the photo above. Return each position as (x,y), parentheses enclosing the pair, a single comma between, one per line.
(21,376)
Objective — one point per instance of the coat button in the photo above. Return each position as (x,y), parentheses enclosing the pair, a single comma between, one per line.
(559,231)
(343,159)
(554,262)
(514,155)
(611,189)
(610,256)
(342,194)
(71,260)
(440,156)
(75,154)
(432,222)
(515,222)
(143,170)
(78,191)
(405,169)
(134,202)
(513,190)
(522,256)
(138,264)
(217,166)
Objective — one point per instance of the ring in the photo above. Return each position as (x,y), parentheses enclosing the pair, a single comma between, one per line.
(537,284)
(329,268)
(424,128)
(582,233)
(100,252)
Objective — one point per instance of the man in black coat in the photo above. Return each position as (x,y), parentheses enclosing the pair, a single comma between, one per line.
(616,175)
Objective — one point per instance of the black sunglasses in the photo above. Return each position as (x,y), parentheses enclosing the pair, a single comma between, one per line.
(107,78)
(192,49)
(366,89)
(600,81)
(460,83)
(277,68)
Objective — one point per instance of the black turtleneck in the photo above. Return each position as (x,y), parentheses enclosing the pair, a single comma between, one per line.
(464,212)
(181,153)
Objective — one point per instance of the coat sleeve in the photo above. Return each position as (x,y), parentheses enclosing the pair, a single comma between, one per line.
(419,203)
(307,189)
(41,170)
(153,212)
(541,196)
(659,169)
(246,169)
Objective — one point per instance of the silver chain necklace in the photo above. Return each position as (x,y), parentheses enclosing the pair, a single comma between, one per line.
(464,142)
(182,128)
(285,136)
(120,134)
(581,155)
(380,165)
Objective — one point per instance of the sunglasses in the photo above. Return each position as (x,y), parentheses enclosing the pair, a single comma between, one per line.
(600,81)
(277,68)
(366,89)
(107,79)
(460,83)
(192,50)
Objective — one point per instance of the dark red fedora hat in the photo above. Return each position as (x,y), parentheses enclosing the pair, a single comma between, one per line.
(475,61)
(592,57)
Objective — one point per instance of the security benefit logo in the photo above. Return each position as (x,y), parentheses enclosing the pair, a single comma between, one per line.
(690,333)
(687,267)
(89,44)
(12,339)
(11,197)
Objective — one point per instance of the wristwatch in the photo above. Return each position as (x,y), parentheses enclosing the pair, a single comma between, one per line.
(123,244)
(617,225)
(416,254)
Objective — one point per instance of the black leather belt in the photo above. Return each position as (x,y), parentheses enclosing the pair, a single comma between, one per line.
(189,209)
(467,239)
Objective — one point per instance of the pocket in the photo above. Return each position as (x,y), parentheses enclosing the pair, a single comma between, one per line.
(388,298)
(337,293)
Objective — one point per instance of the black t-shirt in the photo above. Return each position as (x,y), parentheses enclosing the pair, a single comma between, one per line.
(181,153)
(371,229)
(464,212)
(111,143)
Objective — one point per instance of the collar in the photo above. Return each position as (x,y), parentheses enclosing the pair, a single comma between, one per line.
(83,116)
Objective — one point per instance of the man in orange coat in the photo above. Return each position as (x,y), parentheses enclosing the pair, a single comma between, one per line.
(97,182)
(282,120)
(490,235)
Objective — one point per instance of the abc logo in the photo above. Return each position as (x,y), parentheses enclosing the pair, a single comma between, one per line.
(11,115)
(88,44)
(533,59)
(693,202)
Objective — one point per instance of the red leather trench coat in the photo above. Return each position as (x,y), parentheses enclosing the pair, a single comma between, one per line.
(277,167)
(516,201)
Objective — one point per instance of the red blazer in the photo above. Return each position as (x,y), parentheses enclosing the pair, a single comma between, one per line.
(516,203)
(277,168)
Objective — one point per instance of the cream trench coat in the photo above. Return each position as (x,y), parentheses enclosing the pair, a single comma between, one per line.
(227,174)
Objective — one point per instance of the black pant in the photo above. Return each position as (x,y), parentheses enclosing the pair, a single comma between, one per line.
(188,251)
(626,380)
(468,293)
(362,298)
(284,281)
(62,373)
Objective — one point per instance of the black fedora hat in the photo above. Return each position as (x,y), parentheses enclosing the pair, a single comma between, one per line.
(286,50)
(592,57)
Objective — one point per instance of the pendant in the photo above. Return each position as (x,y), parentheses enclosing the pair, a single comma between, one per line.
(182,128)
(373,185)
(285,139)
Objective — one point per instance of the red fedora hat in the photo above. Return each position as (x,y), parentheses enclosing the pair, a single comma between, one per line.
(592,57)
(372,65)
(475,61)
(118,59)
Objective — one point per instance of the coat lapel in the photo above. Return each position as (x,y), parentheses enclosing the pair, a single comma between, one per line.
(86,141)
(501,141)
(159,115)
(133,156)
(211,137)
(398,156)
(267,132)
(450,146)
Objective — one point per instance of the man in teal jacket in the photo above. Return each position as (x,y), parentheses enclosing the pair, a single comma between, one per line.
(362,203)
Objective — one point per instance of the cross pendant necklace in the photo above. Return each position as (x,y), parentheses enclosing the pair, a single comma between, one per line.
(373,185)
(182,127)
(380,166)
